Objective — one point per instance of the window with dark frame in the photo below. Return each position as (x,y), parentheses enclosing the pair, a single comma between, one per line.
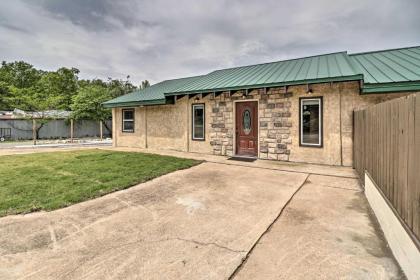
(311,122)
(128,120)
(198,121)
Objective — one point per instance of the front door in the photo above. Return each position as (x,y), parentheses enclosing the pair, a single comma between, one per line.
(247,128)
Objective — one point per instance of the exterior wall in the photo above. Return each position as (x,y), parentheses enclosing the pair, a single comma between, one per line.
(167,126)
(135,139)
(170,126)
(199,146)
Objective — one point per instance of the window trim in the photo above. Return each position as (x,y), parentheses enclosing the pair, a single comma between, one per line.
(122,120)
(321,123)
(203,105)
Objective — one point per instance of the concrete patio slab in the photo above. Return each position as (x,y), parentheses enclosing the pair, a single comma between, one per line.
(221,219)
(192,224)
(328,231)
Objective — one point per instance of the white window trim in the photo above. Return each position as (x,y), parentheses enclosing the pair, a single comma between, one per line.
(193,121)
(319,100)
(128,120)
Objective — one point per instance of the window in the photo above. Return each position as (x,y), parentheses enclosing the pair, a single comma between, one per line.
(311,122)
(198,121)
(128,120)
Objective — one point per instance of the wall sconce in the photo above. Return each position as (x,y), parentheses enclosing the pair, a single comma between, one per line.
(308,89)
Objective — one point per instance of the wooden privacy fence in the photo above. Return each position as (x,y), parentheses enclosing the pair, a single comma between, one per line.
(387,146)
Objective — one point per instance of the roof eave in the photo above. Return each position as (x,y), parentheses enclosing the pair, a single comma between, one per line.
(302,82)
(391,87)
(135,103)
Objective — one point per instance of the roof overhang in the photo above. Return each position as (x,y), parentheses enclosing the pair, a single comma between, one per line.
(391,87)
(135,103)
(256,86)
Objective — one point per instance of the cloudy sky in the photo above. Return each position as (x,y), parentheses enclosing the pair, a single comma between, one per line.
(159,40)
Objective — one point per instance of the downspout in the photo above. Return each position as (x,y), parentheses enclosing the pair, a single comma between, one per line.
(188,125)
(114,127)
(341,133)
(145,127)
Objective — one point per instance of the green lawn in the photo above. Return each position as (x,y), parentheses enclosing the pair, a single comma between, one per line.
(49,181)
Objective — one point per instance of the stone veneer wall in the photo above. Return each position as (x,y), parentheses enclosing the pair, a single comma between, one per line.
(274,122)
(222,127)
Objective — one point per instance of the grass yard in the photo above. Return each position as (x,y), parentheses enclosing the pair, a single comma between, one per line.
(47,181)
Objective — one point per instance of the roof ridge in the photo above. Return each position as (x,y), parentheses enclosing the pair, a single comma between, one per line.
(176,79)
(277,61)
(385,50)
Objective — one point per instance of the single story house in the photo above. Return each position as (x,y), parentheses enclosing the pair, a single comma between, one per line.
(298,110)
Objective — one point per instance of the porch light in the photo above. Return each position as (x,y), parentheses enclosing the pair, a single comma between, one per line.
(308,89)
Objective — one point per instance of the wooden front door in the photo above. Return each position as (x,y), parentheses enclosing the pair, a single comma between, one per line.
(247,128)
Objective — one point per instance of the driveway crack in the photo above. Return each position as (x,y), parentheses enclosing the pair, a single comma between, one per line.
(245,259)
(197,243)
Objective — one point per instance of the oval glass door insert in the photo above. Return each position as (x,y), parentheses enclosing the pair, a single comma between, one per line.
(246,121)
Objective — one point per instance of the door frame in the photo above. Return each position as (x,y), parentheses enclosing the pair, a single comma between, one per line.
(258,124)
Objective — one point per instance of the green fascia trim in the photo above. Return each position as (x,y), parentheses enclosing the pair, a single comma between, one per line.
(303,82)
(135,103)
(391,87)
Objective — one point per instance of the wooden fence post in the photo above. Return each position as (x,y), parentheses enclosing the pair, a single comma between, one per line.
(71,130)
(34,130)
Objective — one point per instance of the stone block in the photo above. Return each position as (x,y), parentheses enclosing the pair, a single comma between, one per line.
(271,135)
(282,146)
(283,157)
(218,125)
(263,149)
(263,155)
(287,140)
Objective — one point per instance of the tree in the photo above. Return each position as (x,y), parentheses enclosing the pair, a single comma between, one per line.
(4,96)
(37,101)
(144,84)
(62,84)
(87,104)
(19,74)
(16,78)
(120,87)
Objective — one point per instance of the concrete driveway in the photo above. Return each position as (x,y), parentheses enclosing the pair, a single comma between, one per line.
(213,221)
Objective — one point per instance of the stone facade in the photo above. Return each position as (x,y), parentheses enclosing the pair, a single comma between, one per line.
(274,122)
(169,126)
(222,127)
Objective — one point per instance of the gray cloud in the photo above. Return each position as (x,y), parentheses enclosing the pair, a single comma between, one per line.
(160,39)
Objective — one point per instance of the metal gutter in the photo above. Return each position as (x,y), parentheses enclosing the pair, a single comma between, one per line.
(135,103)
(390,87)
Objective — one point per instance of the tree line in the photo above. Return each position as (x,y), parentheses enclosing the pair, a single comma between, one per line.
(24,87)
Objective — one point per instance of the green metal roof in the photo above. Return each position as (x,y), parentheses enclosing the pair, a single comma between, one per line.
(153,95)
(314,69)
(381,71)
(389,70)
